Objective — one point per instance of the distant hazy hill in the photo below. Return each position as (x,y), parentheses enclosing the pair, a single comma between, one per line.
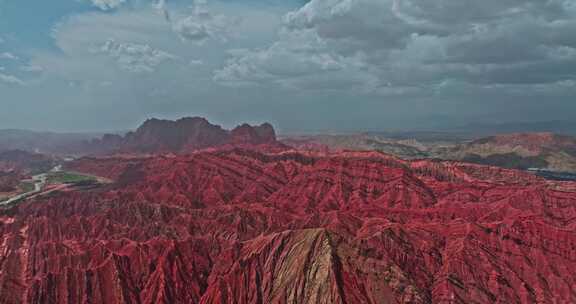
(153,136)
(558,127)
(43,142)
(25,162)
(518,150)
(407,149)
(542,150)
(17,164)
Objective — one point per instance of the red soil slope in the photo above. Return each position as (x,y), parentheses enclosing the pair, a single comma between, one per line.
(239,226)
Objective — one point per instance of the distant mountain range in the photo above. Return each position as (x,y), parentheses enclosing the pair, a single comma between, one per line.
(518,151)
(44,142)
(407,149)
(542,150)
(484,129)
(153,136)
(25,162)
(246,219)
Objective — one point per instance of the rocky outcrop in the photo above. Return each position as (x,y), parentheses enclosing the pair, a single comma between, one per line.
(156,136)
(247,134)
(243,226)
(307,266)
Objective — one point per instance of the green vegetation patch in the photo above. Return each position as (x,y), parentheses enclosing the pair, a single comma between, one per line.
(26,187)
(68,178)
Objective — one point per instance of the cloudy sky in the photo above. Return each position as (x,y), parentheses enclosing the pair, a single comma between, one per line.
(87,65)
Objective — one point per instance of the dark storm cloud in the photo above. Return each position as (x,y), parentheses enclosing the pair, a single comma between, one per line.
(419,44)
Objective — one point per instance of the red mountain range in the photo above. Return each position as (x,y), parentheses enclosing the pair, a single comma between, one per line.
(249,226)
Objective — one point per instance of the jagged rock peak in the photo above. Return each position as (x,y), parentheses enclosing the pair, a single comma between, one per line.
(261,134)
(184,135)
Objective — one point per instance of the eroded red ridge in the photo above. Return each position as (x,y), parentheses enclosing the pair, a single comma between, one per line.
(242,226)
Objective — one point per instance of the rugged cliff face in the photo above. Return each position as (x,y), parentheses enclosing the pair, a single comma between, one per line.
(165,135)
(242,226)
(245,133)
(183,135)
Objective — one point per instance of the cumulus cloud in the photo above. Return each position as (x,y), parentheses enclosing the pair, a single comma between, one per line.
(201,25)
(10,79)
(301,59)
(196,62)
(160,6)
(32,69)
(107,4)
(133,57)
(8,56)
(126,46)
(417,45)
